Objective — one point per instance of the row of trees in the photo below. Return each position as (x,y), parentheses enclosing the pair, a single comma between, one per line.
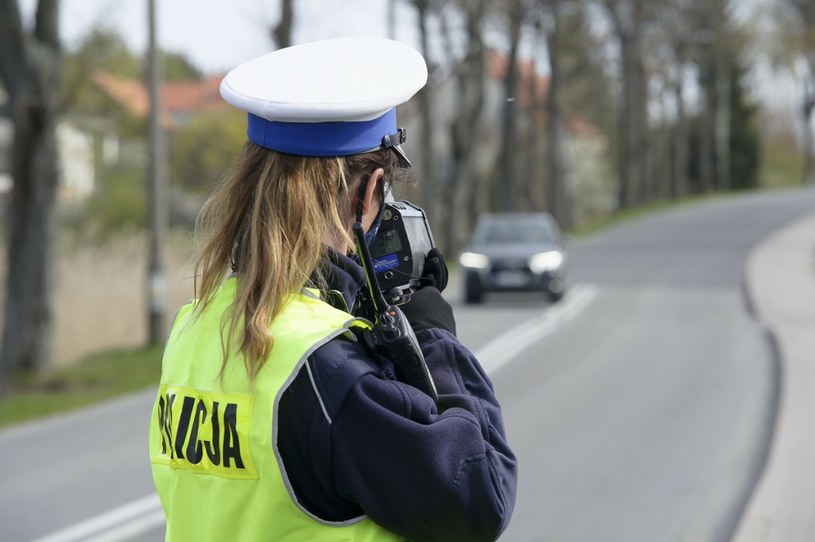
(659,84)
(662,80)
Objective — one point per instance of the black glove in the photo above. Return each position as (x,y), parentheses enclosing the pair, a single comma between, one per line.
(435,270)
(427,309)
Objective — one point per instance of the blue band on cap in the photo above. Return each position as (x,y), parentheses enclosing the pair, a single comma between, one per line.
(321,138)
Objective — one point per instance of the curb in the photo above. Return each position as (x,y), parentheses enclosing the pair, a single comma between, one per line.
(780,279)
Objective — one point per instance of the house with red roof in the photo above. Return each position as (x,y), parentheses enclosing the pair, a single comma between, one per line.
(179,99)
(87,145)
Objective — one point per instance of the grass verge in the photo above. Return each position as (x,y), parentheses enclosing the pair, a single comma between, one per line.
(98,377)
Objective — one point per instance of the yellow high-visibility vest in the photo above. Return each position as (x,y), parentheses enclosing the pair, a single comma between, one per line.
(213,440)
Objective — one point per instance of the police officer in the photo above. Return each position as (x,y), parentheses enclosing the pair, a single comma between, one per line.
(274,419)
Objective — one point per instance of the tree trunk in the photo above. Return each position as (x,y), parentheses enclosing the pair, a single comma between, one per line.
(30,70)
(624,153)
(31,227)
(281,33)
(722,120)
(464,133)
(679,176)
(427,171)
(534,178)
(507,185)
(554,150)
(706,129)
(634,159)
(808,140)
(640,152)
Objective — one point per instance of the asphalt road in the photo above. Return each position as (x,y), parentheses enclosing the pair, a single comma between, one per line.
(640,407)
(648,416)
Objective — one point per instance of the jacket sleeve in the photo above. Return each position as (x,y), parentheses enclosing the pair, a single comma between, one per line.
(426,471)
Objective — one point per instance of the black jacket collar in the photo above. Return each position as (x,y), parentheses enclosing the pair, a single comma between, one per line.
(344,275)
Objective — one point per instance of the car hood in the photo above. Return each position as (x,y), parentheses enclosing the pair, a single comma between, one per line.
(515,250)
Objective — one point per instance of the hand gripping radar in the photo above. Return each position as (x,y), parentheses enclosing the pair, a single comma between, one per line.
(399,250)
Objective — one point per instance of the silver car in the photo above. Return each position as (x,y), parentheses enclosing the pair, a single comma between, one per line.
(514,251)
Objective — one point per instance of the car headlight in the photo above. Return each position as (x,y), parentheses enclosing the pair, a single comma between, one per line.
(546,261)
(474,260)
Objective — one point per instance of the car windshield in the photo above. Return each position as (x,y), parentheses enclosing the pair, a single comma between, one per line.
(515,230)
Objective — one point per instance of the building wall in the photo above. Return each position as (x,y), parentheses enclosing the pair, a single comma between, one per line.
(77,163)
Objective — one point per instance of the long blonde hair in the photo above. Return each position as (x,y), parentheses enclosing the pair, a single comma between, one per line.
(269,221)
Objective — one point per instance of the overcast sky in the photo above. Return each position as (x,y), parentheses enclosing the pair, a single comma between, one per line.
(219,34)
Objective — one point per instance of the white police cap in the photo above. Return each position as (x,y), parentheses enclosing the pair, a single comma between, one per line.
(333,97)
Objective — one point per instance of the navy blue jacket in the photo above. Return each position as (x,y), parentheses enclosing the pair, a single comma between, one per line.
(355,440)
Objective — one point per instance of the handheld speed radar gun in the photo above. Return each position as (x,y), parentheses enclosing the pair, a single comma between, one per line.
(401,257)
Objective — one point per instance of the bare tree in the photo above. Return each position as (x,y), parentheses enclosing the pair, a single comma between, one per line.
(469,82)
(716,46)
(708,58)
(428,170)
(672,48)
(31,72)
(628,18)
(552,12)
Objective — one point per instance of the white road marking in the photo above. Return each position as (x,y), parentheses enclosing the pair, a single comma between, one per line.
(503,349)
(132,528)
(142,515)
(146,507)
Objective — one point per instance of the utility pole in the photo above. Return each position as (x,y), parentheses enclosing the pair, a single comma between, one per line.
(156,192)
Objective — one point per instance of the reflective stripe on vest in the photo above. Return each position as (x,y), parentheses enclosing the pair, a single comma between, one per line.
(212,440)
